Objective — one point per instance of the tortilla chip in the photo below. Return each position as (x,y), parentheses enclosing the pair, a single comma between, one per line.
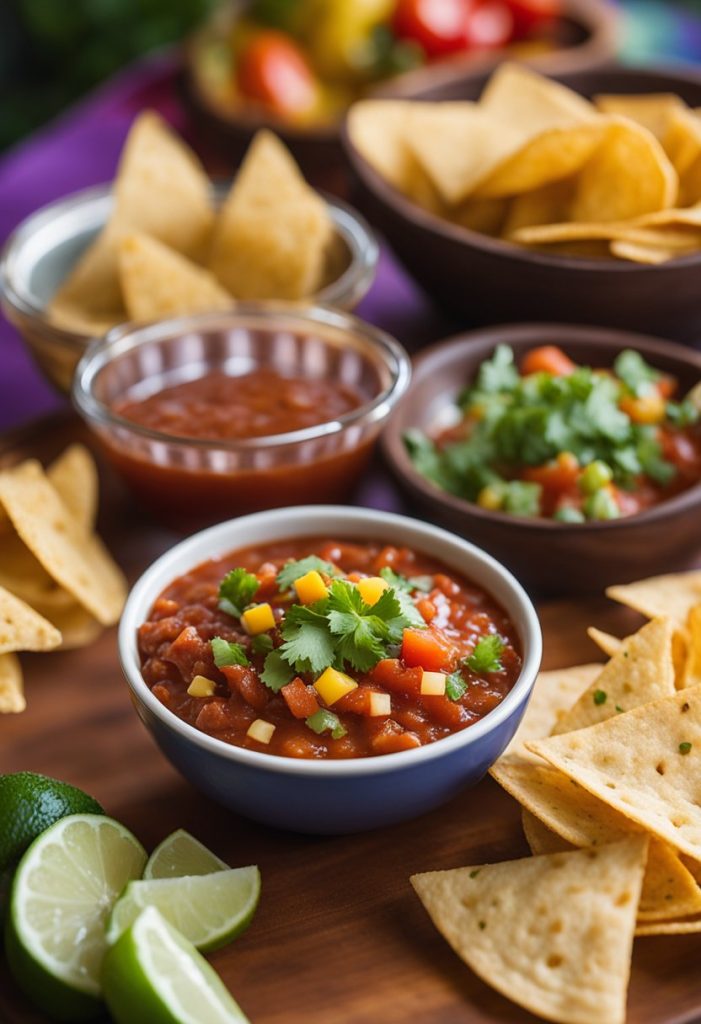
(691,672)
(685,926)
(90,300)
(26,578)
(73,557)
(643,763)
(74,476)
(653,255)
(628,175)
(483,215)
(161,188)
(77,627)
(546,205)
(158,282)
(540,838)
(609,644)
(552,933)
(573,816)
(22,629)
(640,672)
(673,595)
(11,689)
(532,103)
(554,694)
(377,130)
(689,216)
(273,229)
(682,142)
(653,110)
(667,237)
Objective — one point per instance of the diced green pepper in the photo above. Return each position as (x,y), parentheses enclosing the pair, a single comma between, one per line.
(595,476)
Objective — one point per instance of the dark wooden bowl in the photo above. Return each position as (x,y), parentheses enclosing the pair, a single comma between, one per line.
(586,37)
(547,556)
(486,280)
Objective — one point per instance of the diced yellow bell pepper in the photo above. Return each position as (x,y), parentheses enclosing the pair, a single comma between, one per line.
(372,588)
(489,498)
(311,587)
(332,685)
(258,619)
(261,730)
(380,705)
(202,687)
(433,684)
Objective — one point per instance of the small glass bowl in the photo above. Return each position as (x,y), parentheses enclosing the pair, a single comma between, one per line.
(191,482)
(39,254)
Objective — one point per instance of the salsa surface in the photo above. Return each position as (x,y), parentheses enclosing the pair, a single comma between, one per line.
(256,404)
(457,637)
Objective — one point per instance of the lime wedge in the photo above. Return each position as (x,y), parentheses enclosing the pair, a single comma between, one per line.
(209,910)
(181,854)
(62,893)
(155,976)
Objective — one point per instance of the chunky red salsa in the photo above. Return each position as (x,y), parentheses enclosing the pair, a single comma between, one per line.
(256,404)
(320,648)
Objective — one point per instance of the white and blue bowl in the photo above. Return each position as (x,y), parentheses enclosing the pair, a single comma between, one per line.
(345,795)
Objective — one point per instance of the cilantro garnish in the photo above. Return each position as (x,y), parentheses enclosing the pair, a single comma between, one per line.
(455,686)
(486,656)
(684,748)
(326,721)
(474,873)
(261,643)
(276,672)
(294,570)
(599,697)
(637,375)
(619,709)
(406,584)
(237,590)
(227,653)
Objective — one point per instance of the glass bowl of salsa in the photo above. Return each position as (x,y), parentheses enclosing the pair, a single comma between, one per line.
(572,453)
(262,406)
(329,669)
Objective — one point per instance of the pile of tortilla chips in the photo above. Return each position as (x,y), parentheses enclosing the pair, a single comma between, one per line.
(537,164)
(58,584)
(607,768)
(166,252)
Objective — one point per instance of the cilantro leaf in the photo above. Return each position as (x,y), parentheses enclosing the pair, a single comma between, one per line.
(308,644)
(486,656)
(599,697)
(498,373)
(227,653)
(326,721)
(682,414)
(261,643)
(455,686)
(294,570)
(406,584)
(637,375)
(276,672)
(361,630)
(237,590)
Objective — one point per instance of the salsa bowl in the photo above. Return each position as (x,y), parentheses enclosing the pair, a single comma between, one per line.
(550,557)
(334,795)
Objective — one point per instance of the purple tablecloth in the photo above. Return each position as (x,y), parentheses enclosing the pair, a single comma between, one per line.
(81,149)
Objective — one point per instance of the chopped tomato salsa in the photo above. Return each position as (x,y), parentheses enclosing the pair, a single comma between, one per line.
(328,649)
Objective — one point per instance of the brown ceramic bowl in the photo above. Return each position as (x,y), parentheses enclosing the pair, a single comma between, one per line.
(486,280)
(585,37)
(547,556)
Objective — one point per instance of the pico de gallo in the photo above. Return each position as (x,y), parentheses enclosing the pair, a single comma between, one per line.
(566,442)
(321,648)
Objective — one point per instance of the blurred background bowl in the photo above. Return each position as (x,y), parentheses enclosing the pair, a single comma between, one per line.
(486,280)
(189,482)
(549,557)
(40,253)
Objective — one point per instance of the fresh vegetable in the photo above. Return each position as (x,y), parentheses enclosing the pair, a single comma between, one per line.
(236,591)
(274,70)
(530,15)
(439,26)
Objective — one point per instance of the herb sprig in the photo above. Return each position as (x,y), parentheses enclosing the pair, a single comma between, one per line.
(236,590)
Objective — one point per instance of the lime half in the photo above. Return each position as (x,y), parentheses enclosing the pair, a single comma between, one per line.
(155,976)
(62,893)
(209,910)
(181,854)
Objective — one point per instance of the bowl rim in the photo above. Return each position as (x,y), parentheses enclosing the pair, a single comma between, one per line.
(349,225)
(411,212)
(313,519)
(125,337)
(395,453)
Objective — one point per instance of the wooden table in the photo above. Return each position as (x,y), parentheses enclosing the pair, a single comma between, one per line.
(339,937)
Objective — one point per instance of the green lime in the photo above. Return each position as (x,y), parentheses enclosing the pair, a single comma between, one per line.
(209,910)
(29,803)
(63,890)
(181,854)
(155,976)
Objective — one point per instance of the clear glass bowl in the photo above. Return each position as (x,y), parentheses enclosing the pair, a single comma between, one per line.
(190,482)
(39,254)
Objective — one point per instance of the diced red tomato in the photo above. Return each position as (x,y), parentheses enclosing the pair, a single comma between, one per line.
(391,738)
(393,676)
(246,682)
(428,649)
(357,701)
(547,359)
(426,609)
(300,698)
(490,25)
(446,712)
(532,14)
(191,654)
(274,70)
(439,26)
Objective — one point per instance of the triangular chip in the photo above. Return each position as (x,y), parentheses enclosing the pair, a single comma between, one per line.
(11,689)
(644,763)
(273,229)
(23,629)
(571,815)
(546,205)
(554,694)
(74,475)
(640,672)
(90,299)
(673,595)
(691,673)
(604,641)
(78,628)
(158,282)
(26,578)
(552,933)
(73,557)
(683,926)
(653,110)
(377,130)
(539,837)
(530,102)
